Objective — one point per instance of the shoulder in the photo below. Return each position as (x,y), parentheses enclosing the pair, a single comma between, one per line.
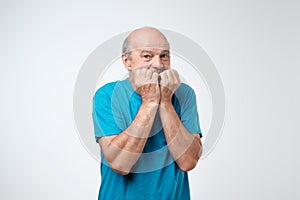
(105,90)
(184,96)
(103,95)
(185,86)
(184,90)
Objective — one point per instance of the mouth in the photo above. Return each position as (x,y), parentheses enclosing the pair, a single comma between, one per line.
(160,70)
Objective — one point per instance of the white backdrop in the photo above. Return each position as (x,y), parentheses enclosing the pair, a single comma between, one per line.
(255,46)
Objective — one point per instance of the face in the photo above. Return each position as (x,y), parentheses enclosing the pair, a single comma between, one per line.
(156,58)
(149,49)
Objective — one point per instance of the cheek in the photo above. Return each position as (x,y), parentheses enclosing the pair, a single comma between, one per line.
(139,64)
(167,64)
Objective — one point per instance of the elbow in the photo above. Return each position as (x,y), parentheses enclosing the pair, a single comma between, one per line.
(188,166)
(120,169)
(120,166)
(189,162)
(123,173)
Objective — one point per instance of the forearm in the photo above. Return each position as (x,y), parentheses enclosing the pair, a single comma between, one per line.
(123,150)
(186,148)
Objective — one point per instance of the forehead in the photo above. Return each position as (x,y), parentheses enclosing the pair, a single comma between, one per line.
(153,50)
(149,40)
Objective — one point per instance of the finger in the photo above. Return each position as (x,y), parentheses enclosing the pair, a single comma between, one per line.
(154,77)
(163,75)
(139,74)
(176,80)
(149,74)
(164,78)
(137,71)
(165,71)
(168,75)
(172,75)
(143,73)
(176,75)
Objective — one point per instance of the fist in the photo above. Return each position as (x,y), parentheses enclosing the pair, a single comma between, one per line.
(145,82)
(169,83)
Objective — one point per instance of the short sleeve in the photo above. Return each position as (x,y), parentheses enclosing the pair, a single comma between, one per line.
(188,109)
(103,119)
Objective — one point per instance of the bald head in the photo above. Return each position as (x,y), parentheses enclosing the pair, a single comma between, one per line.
(146,37)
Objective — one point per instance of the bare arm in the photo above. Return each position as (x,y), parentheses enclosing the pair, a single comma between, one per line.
(123,150)
(185,147)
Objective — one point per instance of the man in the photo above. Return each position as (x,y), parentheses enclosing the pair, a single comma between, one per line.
(147,125)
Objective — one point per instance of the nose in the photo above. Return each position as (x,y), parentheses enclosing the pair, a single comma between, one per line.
(157,63)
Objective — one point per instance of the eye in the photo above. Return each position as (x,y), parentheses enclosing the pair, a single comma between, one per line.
(165,56)
(147,56)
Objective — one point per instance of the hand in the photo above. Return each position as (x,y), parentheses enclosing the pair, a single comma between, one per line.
(145,82)
(169,83)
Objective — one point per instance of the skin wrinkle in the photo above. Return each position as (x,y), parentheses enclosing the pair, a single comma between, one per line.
(121,154)
(167,89)
(123,150)
(149,48)
(175,139)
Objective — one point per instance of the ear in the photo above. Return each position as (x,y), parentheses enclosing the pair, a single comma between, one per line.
(126,62)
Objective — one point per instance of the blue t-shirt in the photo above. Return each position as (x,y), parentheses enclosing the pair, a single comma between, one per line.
(155,175)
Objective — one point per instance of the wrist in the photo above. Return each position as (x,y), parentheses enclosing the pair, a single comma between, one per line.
(150,104)
(165,103)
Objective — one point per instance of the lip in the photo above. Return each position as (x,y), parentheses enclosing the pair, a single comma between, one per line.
(160,71)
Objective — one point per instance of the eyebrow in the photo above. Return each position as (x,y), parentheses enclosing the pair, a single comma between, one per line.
(149,51)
